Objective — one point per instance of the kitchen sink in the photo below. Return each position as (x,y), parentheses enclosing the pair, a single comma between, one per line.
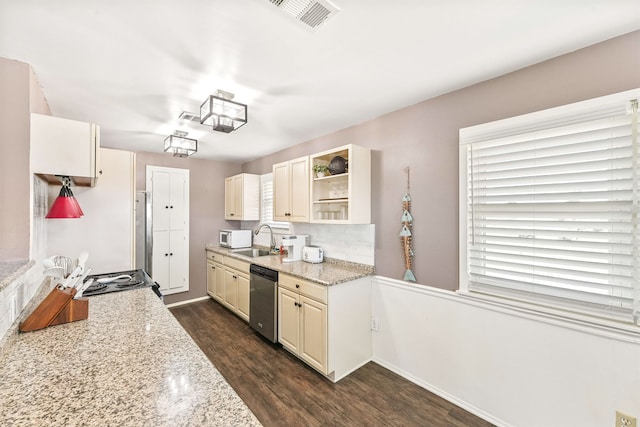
(252,253)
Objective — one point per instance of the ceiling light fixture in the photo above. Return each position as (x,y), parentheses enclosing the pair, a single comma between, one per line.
(222,114)
(65,205)
(180,146)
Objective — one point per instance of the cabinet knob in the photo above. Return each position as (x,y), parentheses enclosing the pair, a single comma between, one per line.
(297,286)
(166,207)
(166,254)
(171,207)
(235,277)
(171,254)
(100,171)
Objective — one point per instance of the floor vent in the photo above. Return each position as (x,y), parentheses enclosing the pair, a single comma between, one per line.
(312,13)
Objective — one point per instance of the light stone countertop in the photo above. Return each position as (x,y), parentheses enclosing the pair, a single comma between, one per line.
(129,364)
(328,273)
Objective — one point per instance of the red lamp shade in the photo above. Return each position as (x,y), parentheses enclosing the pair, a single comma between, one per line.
(65,205)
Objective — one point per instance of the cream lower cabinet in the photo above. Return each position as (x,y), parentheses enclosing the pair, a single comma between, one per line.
(215,276)
(327,327)
(228,282)
(303,328)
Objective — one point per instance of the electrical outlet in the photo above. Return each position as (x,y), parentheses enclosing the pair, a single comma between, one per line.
(375,325)
(624,420)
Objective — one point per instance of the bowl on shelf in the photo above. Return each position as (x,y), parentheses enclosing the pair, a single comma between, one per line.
(337,165)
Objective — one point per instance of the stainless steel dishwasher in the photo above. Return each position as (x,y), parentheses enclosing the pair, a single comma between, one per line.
(263,301)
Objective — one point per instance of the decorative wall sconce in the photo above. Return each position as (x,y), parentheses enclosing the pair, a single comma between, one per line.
(222,114)
(180,146)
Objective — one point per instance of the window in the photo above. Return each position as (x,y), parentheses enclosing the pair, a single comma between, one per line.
(266,202)
(549,208)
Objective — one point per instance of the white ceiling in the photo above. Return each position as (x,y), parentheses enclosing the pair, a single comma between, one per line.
(132,66)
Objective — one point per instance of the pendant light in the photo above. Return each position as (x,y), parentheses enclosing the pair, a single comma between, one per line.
(221,113)
(65,205)
(179,145)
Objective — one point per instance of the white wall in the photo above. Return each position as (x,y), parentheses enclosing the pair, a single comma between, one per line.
(511,369)
(107,227)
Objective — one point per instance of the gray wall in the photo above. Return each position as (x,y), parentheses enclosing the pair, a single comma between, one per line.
(425,137)
(20,95)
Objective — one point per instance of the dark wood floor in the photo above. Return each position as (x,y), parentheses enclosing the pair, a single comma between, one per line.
(282,391)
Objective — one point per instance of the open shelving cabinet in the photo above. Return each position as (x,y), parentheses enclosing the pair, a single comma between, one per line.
(343,198)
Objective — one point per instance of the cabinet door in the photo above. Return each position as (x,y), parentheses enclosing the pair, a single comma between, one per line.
(65,147)
(238,197)
(231,289)
(160,259)
(243,297)
(299,189)
(281,191)
(288,319)
(211,279)
(219,286)
(313,334)
(176,201)
(229,198)
(160,201)
(177,261)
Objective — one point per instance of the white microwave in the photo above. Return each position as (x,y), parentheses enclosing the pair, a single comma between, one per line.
(235,238)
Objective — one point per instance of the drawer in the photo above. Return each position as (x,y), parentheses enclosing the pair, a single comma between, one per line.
(303,287)
(214,256)
(236,264)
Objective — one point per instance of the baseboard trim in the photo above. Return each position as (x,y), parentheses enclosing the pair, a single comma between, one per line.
(435,390)
(189,301)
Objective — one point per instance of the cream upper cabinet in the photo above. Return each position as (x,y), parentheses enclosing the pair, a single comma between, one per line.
(291,190)
(65,147)
(242,197)
(344,195)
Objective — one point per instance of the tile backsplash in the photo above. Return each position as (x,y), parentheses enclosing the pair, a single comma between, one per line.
(353,243)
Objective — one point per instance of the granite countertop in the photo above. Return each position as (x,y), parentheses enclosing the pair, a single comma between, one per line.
(10,270)
(328,273)
(129,364)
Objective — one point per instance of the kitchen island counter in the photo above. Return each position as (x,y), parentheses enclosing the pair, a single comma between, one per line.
(129,364)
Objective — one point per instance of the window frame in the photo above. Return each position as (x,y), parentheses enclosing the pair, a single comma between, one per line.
(541,120)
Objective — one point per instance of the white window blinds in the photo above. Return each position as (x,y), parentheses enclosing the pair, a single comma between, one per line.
(266,211)
(266,204)
(550,208)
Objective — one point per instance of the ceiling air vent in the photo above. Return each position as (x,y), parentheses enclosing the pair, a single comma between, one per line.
(185,115)
(312,13)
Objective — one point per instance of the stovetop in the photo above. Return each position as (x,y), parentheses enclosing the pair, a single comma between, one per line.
(137,279)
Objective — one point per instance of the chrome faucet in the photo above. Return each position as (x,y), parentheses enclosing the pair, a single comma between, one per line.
(273,242)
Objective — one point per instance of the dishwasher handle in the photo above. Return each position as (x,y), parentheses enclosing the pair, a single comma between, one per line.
(267,273)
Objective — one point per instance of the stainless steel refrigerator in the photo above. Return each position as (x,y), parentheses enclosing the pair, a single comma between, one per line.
(144,236)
